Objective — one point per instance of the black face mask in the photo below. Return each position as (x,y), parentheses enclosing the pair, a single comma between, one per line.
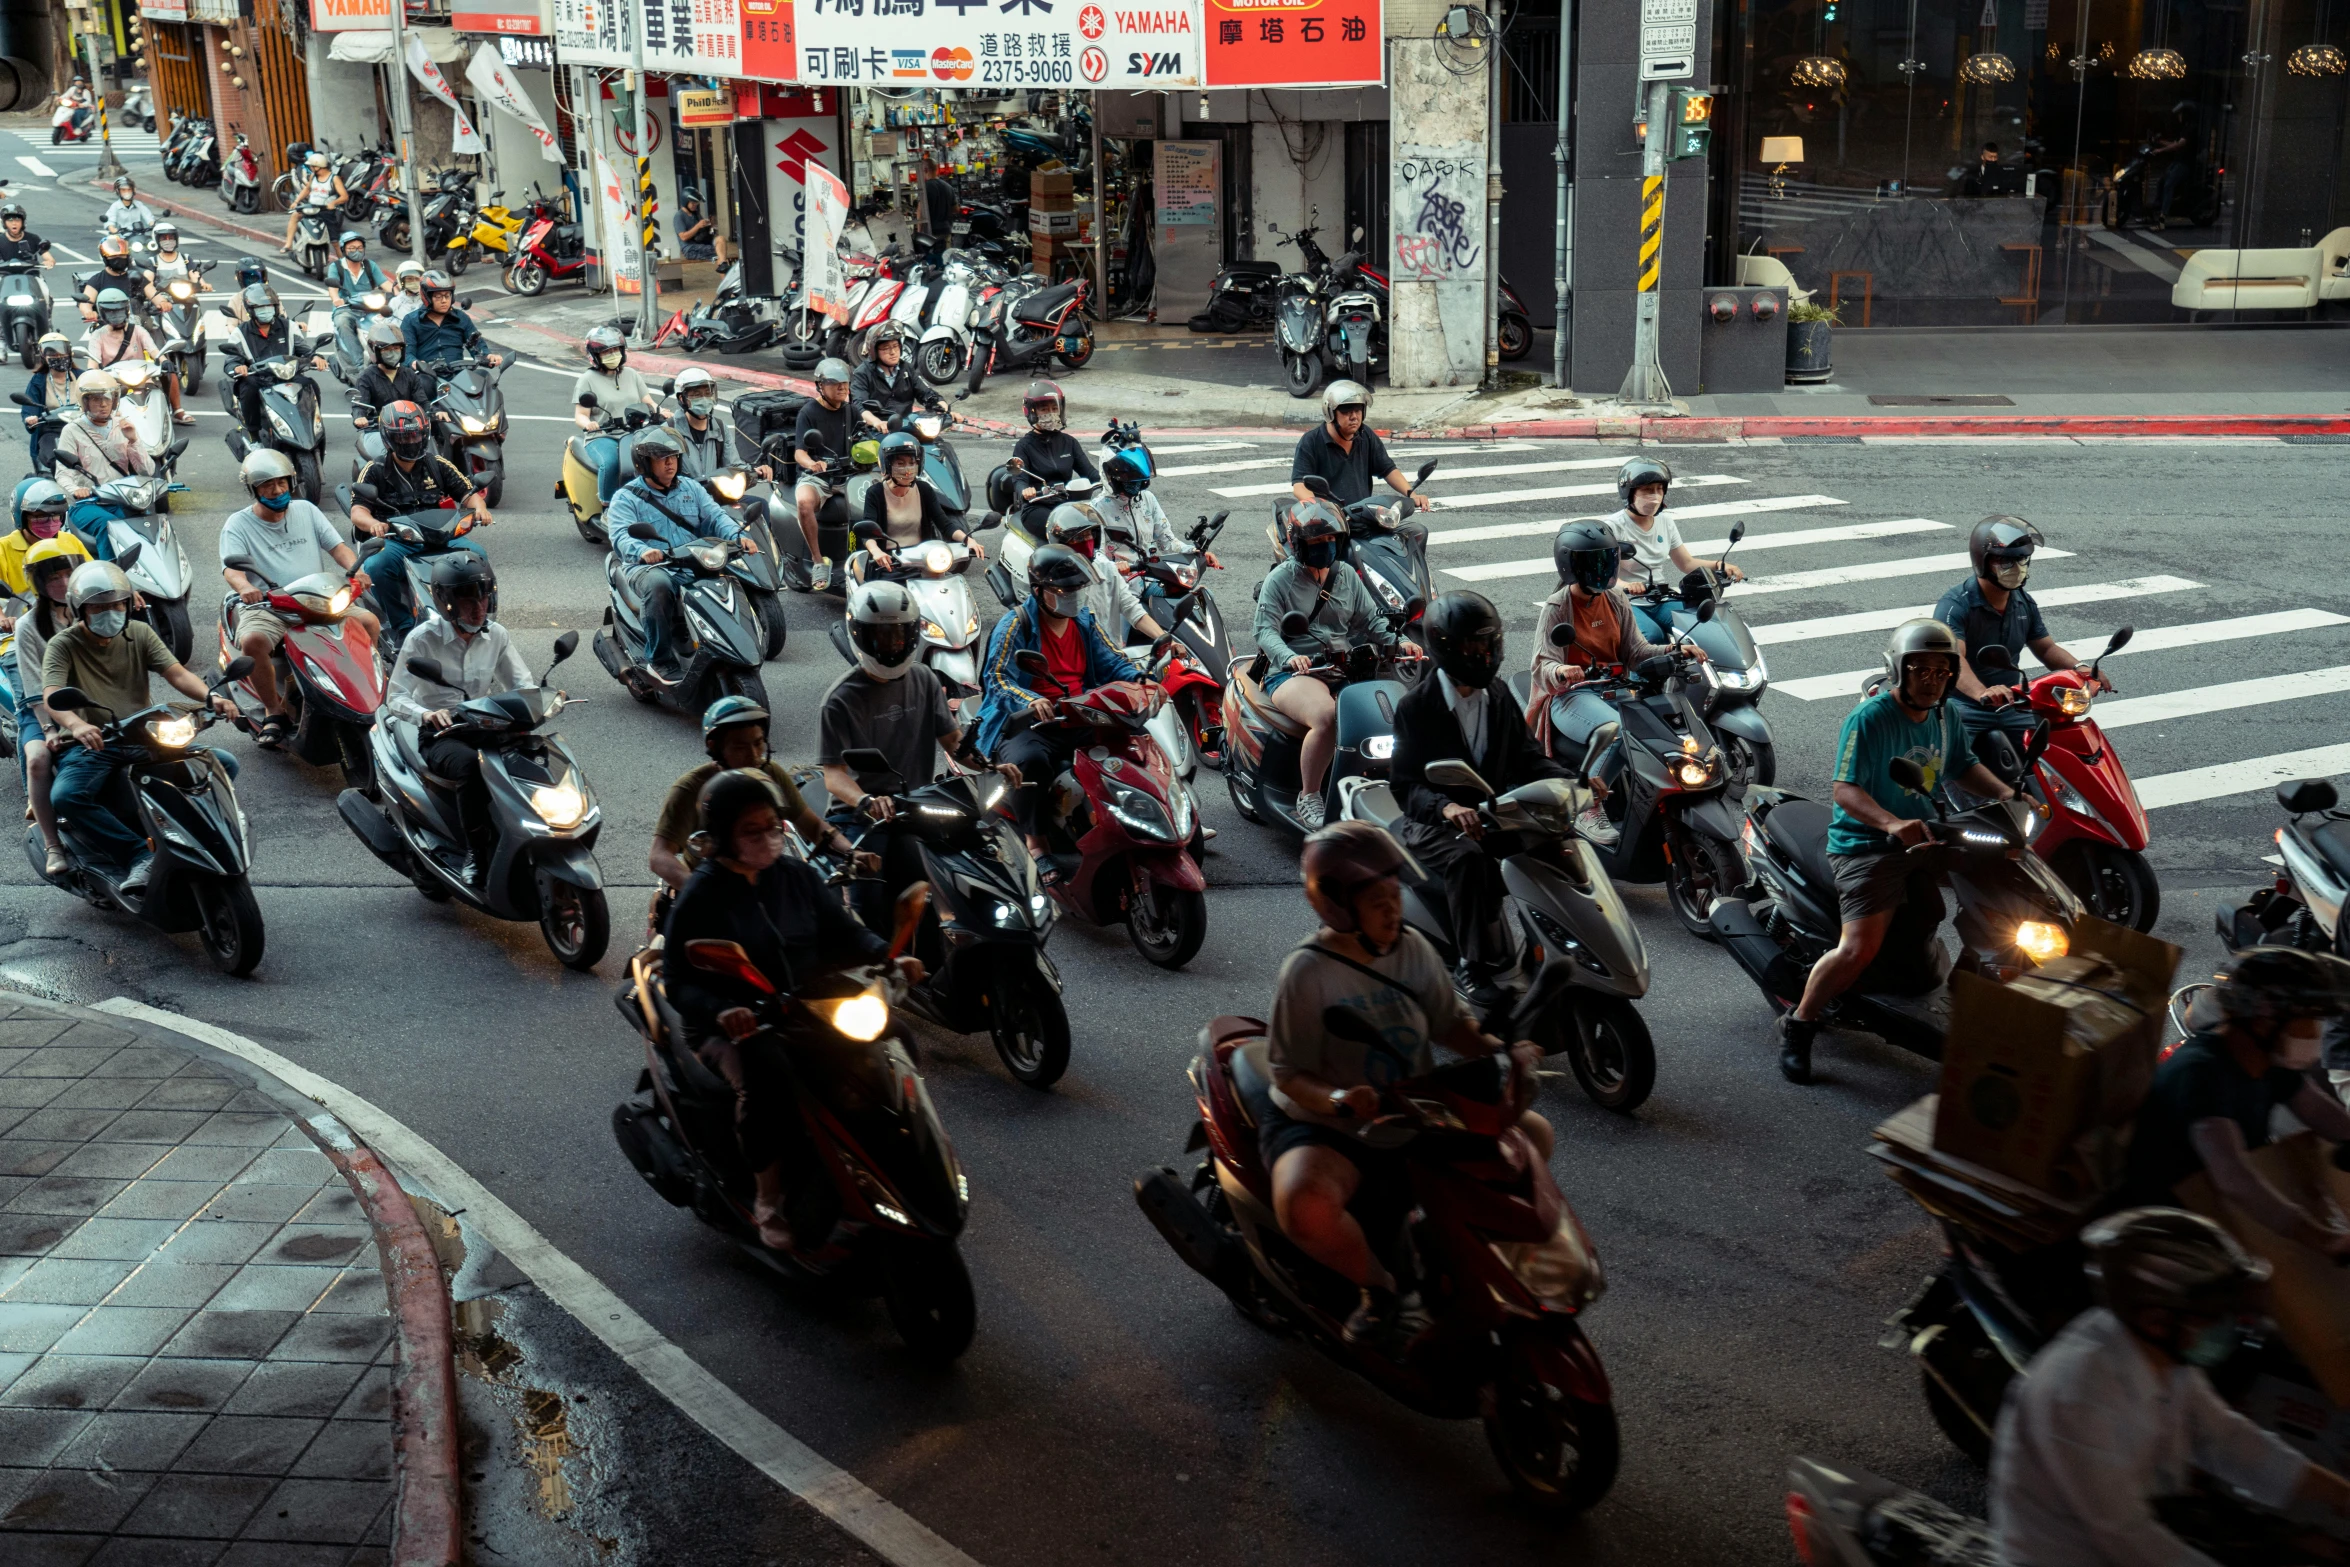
(118,263)
(1319,553)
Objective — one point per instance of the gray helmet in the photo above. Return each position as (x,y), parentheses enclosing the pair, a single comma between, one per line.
(888,332)
(1920,638)
(1345,394)
(833,370)
(263,464)
(2002,541)
(1074,523)
(1638,472)
(2148,1258)
(601,341)
(655,442)
(385,341)
(114,307)
(95,583)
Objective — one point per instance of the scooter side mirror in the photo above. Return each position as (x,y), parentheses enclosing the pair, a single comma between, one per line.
(173,452)
(129,556)
(2119,640)
(1902,770)
(238,668)
(1562,635)
(728,959)
(429,669)
(588,400)
(1316,486)
(990,519)
(644,532)
(2300,797)
(1293,626)
(911,905)
(867,762)
(1991,658)
(23,401)
(1450,772)
(1413,608)
(815,445)
(1426,469)
(1737,531)
(1031,662)
(67,699)
(565,645)
(1705,612)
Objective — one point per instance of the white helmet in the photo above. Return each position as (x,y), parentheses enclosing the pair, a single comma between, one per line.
(695,380)
(886,626)
(95,583)
(262,464)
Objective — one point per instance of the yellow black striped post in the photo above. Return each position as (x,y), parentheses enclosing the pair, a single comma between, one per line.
(1652,231)
(109,166)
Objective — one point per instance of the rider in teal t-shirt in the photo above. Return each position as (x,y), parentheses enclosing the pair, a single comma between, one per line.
(1874,733)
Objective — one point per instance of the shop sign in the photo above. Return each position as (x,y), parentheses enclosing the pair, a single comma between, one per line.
(165,11)
(682,37)
(327,16)
(537,54)
(223,12)
(702,106)
(1186,182)
(771,50)
(1294,43)
(527,18)
(1001,44)
(795,143)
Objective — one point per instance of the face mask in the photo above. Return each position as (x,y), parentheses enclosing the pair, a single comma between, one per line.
(1084,546)
(2299,1048)
(2213,1345)
(409,285)
(43,527)
(1064,605)
(701,407)
(1319,553)
(109,622)
(278,502)
(389,358)
(903,476)
(611,361)
(265,314)
(118,263)
(1045,423)
(2010,574)
(167,244)
(756,853)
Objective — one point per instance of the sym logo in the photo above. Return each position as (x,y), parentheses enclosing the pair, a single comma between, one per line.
(1094,64)
(1154,65)
(794,153)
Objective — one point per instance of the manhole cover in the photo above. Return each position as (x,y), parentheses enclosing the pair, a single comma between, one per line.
(1932,400)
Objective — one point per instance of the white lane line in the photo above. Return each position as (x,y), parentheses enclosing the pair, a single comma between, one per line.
(2197,700)
(1499,470)
(2200,633)
(2248,777)
(1512,530)
(1187,470)
(1823,626)
(1793,537)
(1784,582)
(887,1530)
(1561,492)
(40,168)
(71,254)
(1203,446)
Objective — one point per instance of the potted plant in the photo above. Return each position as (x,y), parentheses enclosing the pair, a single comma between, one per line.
(1810,325)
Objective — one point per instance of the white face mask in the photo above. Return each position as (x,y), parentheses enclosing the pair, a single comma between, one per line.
(2299,1049)
(109,622)
(756,853)
(2011,574)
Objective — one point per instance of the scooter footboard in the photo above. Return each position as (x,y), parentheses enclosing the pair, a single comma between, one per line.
(1764,960)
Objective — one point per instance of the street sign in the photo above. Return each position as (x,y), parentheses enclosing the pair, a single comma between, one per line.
(1668,40)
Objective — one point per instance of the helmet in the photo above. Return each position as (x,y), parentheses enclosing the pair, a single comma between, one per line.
(1587,554)
(167,230)
(834,372)
(887,332)
(41,497)
(655,442)
(1044,406)
(2279,985)
(730,796)
(123,182)
(1059,571)
(316,160)
(115,251)
(899,444)
(1345,394)
(1637,474)
(349,237)
(1076,525)
(260,304)
(55,345)
(1342,859)
(437,282)
(96,582)
(1464,634)
(886,625)
(464,589)
(694,379)
(1127,470)
(409,269)
(1921,638)
(407,432)
(2162,1258)
(114,307)
(389,346)
(251,270)
(263,464)
(729,712)
(59,556)
(96,383)
(1317,533)
(607,348)
(2001,549)
(11,209)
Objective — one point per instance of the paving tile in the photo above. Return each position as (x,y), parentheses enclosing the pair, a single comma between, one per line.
(52,1550)
(297,1387)
(183,1385)
(226,1335)
(81,1500)
(142,1061)
(30,1093)
(14,1364)
(371,1397)
(185,1093)
(340,1244)
(63,1123)
(155,1126)
(64,1061)
(69,1281)
(35,1328)
(319,1510)
(26,1156)
(131,1439)
(169,1281)
(14,1268)
(87,1033)
(357,1290)
(123,1330)
(374,1555)
(216,1240)
(335,1204)
(217,1164)
(239,1128)
(152,1199)
(261,1286)
(292,1167)
(25,1034)
(146,1552)
(100,1093)
(258,1203)
(349,1450)
(69,1195)
(72,1382)
(258,1444)
(32,1437)
(32,1234)
(200,1506)
(131,1240)
(340,1336)
(264,1553)
(123,1161)
(251,1101)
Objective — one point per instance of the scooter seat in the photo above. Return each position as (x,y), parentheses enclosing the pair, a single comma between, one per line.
(1376,803)
(1798,829)
(1253,268)
(1039,308)
(2330,841)
(1252,1074)
(1252,696)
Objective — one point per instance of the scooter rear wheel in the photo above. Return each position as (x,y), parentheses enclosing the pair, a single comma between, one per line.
(527,278)
(1559,1451)
(589,528)
(231,923)
(1030,1029)
(1243,800)
(928,1292)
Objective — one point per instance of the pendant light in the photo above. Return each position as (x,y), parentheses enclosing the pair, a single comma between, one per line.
(1990,67)
(2317,57)
(1819,68)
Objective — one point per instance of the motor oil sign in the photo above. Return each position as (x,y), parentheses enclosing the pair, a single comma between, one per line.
(1292,43)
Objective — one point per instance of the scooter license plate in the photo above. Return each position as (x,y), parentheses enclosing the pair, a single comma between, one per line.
(958,228)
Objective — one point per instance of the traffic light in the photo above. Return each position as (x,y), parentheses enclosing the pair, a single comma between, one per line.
(1690,113)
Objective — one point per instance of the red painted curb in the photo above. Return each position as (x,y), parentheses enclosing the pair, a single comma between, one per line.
(2011,425)
(428,1528)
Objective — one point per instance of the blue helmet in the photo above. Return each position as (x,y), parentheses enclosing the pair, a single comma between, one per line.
(726,713)
(1127,470)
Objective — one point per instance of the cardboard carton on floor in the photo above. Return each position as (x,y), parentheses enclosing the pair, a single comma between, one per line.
(2307,1294)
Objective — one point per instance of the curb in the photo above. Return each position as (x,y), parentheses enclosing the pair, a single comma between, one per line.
(1781,426)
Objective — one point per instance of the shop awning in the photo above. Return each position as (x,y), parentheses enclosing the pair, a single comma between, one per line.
(375,46)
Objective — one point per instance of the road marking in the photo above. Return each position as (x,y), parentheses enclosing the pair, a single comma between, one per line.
(1557,493)
(70,254)
(2196,700)
(1500,469)
(1784,582)
(1892,528)
(1886,619)
(1812,688)
(38,167)
(2248,777)
(1511,530)
(1202,446)
(881,1525)
(1187,470)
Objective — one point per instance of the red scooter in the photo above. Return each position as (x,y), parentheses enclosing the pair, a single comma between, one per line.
(548,252)
(1123,840)
(2094,831)
(326,671)
(1479,1229)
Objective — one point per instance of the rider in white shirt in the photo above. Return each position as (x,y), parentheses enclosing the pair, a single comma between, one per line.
(128,214)
(316,185)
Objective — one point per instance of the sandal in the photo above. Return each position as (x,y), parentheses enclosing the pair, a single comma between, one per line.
(274,732)
(774,1233)
(56,865)
(182,416)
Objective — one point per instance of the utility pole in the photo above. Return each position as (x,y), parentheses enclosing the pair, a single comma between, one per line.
(1563,244)
(648,204)
(401,133)
(109,166)
(1645,382)
(1494,80)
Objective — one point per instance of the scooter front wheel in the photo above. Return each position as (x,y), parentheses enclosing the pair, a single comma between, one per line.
(576,923)
(1030,1028)
(928,1292)
(940,362)
(1607,1046)
(169,617)
(774,630)
(527,278)
(1559,1451)
(2116,883)
(1302,373)
(231,923)
(1166,924)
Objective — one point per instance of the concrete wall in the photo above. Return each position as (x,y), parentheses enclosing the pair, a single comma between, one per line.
(1285,186)
(515,161)
(342,99)
(1436,212)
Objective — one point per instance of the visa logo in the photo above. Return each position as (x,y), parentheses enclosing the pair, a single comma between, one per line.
(911,63)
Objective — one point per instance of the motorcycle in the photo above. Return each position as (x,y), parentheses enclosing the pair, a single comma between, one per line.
(139,538)
(1014,330)
(24,310)
(48,424)
(314,245)
(1240,299)
(1354,319)
(2095,835)
(760,571)
(71,123)
(289,409)
(328,677)
(2303,906)
(144,403)
(883,1214)
(1263,745)
(933,572)
(347,357)
(240,177)
(1516,329)
(716,620)
(1482,1232)
(1561,912)
(548,251)
(184,350)
(542,813)
(1170,589)
(1734,670)
(2138,192)
(1119,826)
(469,420)
(187,807)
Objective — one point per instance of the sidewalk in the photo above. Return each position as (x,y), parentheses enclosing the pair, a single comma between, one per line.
(197,1360)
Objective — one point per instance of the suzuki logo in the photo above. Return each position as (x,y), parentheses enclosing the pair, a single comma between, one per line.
(794,152)
(1154,65)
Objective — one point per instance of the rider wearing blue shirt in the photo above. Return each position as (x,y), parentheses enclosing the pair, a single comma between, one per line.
(440,331)
(354,277)
(681,513)
(1992,607)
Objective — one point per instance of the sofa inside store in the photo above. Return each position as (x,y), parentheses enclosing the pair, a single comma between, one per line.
(2026,163)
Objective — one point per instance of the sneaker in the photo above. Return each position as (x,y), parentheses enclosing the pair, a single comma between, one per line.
(1311,812)
(56,865)
(141,869)
(1595,829)
(1385,1322)
(1795,1037)
(820,576)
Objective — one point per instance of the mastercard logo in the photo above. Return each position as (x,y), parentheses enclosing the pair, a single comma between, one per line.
(951,65)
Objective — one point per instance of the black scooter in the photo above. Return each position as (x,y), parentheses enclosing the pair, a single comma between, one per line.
(290,415)
(1263,745)
(24,310)
(180,795)
(184,348)
(469,421)
(718,629)
(542,866)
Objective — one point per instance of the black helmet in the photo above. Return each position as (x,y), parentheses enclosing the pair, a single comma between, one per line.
(1044,407)
(464,590)
(607,347)
(406,430)
(726,799)
(2275,986)
(12,209)
(1639,472)
(1587,554)
(1057,569)
(1341,859)
(1317,533)
(656,442)
(2003,542)
(1464,635)
(250,271)
(2164,1259)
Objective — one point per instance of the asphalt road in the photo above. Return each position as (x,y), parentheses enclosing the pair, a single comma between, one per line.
(1113,1408)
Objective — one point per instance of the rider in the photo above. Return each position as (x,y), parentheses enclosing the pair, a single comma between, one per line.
(748,891)
(734,733)
(252,273)
(1015,720)
(1365,961)
(389,378)
(1343,450)
(1655,539)
(265,333)
(407,290)
(19,243)
(903,509)
(78,98)
(51,391)
(41,506)
(128,214)
(49,566)
(613,384)
(116,271)
(1992,607)
(1463,714)
(283,538)
(440,331)
(117,337)
(1131,508)
(885,388)
(1876,818)
(317,185)
(410,476)
(171,262)
(1608,633)
(354,277)
(1339,611)
(1048,454)
(2116,1408)
(680,512)
(696,424)
(97,447)
(463,637)
(107,656)
(825,416)
(1116,607)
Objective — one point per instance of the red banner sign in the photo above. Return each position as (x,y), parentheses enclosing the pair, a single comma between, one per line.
(771,42)
(1292,43)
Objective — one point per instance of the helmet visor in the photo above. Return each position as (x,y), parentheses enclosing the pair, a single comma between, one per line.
(1593,570)
(890,644)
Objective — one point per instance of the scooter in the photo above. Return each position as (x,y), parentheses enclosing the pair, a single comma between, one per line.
(582,493)
(1161,580)
(2096,832)
(1515,329)
(880,1211)
(549,251)
(144,403)
(428,534)
(1195,698)
(944,351)
(138,107)
(761,571)
(1480,1230)
(1015,330)
(314,246)
(181,796)
(139,538)
(2303,906)
(1263,745)
(717,628)
(933,572)
(24,309)
(326,673)
(200,163)
(1387,546)
(1120,828)
(1009,575)
(1561,913)
(1734,670)
(469,418)
(240,177)
(184,349)
(289,410)
(347,358)
(174,146)
(72,122)
(543,818)
(845,481)
(940,465)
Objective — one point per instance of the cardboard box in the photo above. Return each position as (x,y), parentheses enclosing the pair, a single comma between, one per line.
(1043,224)
(2307,1294)
(1048,184)
(2041,1075)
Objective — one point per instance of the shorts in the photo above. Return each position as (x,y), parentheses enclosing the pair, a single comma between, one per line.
(1869,884)
(813,486)
(28,729)
(1278,1133)
(252,619)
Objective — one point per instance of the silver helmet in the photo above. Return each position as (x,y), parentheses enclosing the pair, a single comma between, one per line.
(1345,394)
(263,464)
(1920,638)
(95,583)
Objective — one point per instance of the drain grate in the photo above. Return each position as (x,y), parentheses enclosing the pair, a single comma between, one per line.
(1936,400)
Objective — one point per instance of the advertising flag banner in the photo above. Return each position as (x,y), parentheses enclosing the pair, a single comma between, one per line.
(621,241)
(1293,43)
(420,65)
(1004,44)
(828,219)
(498,88)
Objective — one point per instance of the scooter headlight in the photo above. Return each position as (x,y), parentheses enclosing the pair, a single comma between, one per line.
(182,290)
(861,1017)
(372,301)
(471,425)
(936,558)
(172,734)
(2073,701)
(2041,942)
(560,806)
(1143,815)
(1380,748)
(730,486)
(709,557)
(1693,774)
(1563,1272)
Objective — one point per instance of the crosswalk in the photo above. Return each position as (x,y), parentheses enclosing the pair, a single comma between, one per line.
(129,141)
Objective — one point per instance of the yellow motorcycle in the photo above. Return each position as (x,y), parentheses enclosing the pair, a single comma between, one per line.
(491,236)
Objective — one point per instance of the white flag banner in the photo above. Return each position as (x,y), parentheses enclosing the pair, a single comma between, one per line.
(420,65)
(501,91)
(820,265)
(621,241)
